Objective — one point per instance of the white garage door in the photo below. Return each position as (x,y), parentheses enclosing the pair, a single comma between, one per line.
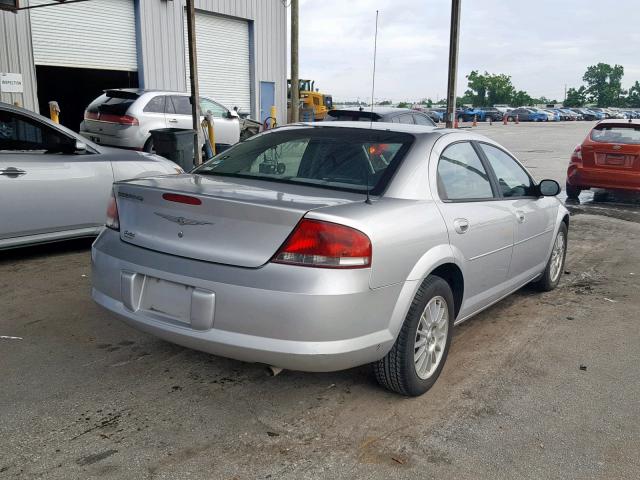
(96,34)
(223,60)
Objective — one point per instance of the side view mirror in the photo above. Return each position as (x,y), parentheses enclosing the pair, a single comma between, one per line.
(549,188)
(80,147)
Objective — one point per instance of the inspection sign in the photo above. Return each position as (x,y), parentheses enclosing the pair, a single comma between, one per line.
(11,83)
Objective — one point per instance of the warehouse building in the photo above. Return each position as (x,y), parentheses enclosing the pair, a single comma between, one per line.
(71,52)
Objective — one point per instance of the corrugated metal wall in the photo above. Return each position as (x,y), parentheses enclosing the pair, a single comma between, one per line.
(16,56)
(161,46)
(163,54)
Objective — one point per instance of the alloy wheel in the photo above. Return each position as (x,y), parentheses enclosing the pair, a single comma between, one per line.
(431,337)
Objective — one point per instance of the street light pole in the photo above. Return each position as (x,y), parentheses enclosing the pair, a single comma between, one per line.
(295,80)
(453,62)
(193,75)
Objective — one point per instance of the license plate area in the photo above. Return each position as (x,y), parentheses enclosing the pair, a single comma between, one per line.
(614,160)
(167,298)
(169,301)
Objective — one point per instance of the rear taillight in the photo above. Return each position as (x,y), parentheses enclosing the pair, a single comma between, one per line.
(576,156)
(113,220)
(111,118)
(314,243)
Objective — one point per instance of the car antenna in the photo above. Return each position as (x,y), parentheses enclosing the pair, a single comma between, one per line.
(373,90)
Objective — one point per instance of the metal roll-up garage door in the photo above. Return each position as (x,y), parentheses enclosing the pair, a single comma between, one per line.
(98,34)
(223,60)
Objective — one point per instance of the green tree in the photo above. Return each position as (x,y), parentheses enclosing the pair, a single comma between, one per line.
(477,90)
(521,98)
(488,89)
(385,102)
(576,97)
(427,101)
(633,98)
(404,105)
(604,84)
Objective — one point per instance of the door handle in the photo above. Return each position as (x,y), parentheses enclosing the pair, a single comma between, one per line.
(12,172)
(520,216)
(461,225)
(173,120)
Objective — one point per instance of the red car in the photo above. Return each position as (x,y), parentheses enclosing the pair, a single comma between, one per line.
(608,158)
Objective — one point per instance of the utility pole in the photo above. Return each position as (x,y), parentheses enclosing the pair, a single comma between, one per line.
(453,62)
(565,92)
(193,75)
(295,79)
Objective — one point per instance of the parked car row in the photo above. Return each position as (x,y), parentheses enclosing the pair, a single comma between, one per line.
(532,114)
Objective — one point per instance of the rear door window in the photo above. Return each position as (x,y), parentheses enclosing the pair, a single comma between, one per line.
(422,120)
(461,175)
(156,104)
(628,135)
(405,118)
(181,105)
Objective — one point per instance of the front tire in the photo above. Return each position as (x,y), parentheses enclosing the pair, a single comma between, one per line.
(417,357)
(555,265)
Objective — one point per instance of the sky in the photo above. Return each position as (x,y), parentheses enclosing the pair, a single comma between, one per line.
(542,44)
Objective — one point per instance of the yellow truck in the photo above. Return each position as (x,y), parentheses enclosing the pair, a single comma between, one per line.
(311,100)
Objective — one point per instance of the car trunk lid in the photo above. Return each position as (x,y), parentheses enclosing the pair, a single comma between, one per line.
(241,223)
(613,146)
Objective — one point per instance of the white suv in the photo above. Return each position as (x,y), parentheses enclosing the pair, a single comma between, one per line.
(124,117)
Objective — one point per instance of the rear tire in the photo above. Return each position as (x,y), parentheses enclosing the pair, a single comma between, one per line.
(148,146)
(573,192)
(417,357)
(555,265)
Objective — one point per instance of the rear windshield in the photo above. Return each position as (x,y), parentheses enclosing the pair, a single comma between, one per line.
(351,159)
(346,116)
(616,134)
(113,105)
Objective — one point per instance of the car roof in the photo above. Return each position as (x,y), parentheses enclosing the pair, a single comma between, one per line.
(620,121)
(378,110)
(142,91)
(392,127)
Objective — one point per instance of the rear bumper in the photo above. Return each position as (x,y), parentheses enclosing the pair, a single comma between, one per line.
(579,176)
(296,318)
(133,138)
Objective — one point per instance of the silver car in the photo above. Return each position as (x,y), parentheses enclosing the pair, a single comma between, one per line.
(53,183)
(324,246)
(124,117)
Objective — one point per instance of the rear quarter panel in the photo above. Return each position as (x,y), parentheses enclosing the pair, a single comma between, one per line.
(408,237)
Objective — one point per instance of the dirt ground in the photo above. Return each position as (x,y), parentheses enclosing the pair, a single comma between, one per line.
(539,386)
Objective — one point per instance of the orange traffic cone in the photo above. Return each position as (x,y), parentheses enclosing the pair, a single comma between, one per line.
(505,119)
(475,121)
(517,119)
(455,123)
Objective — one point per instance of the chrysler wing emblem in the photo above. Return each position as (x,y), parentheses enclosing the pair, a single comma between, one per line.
(182,220)
(616,147)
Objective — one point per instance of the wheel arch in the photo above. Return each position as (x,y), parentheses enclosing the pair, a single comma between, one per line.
(440,261)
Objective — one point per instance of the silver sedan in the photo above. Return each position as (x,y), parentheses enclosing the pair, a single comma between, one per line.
(323,247)
(54,183)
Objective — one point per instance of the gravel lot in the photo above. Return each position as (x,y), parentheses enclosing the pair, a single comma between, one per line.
(538,386)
